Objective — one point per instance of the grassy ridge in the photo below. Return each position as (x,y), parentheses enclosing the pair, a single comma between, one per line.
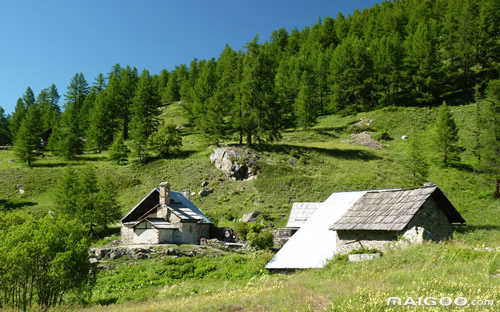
(431,270)
(306,165)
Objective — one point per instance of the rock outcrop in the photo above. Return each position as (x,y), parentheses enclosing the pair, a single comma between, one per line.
(236,162)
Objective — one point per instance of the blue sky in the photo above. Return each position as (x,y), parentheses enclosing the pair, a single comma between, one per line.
(45,42)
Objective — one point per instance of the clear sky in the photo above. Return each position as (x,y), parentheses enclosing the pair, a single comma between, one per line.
(45,42)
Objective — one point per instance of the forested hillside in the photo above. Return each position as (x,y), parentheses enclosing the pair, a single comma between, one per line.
(402,53)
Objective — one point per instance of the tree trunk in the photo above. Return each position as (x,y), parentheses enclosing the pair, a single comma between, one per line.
(497,188)
(249,139)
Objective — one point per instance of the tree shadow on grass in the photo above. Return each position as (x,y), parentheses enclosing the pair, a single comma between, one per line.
(179,155)
(462,167)
(11,205)
(91,158)
(50,165)
(468,228)
(332,152)
(325,132)
(106,301)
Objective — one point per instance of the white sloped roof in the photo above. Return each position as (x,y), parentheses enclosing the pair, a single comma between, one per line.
(313,245)
(300,213)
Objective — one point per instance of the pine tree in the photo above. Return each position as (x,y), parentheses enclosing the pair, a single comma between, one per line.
(92,201)
(127,87)
(5,137)
(119,151)
(66,139)
(167,141)
(29,97)
(306,106)
(490,136)
(144,114)
(49,113)
(209,113)
(260,118)
(446,136)
(17,117)
(350,77)
(415,163)
(27,140)
(100,133)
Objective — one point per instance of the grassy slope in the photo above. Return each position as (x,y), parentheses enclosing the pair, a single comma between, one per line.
(326,163)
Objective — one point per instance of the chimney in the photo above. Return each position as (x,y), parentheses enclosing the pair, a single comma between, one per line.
(164,200)
(187,194)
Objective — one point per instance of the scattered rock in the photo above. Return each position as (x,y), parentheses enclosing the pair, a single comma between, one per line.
(236,162)
(364,138)
(214,242)
(364,122)
(114,243)
(404,137)
(21,191)
(282,235)
(205,192)
(292,161)
(204,183)
(363,257)
(12,161)
(487,249)
(250,217)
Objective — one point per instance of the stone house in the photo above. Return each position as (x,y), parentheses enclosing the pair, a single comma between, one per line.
(164,217)
(381,217)
(373,219)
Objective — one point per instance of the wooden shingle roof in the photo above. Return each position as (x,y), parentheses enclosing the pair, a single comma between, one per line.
(392,210)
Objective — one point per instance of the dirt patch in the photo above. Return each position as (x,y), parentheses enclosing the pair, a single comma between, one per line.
(365,138)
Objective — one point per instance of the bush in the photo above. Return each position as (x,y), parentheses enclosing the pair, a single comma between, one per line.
(262,240)
(382,136)
(166,141)
(365,251)
(242,229)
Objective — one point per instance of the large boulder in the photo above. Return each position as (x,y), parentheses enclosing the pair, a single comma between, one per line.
(236,162)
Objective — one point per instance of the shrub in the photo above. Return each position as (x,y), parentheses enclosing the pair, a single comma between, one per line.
(262,240)
(166,141)
(365,251)
(382,136)
(242,229)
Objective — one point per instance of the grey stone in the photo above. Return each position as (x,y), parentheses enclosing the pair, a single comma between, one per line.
(250,217)
(140,255)
(282,235)
(292,161)
(205,192)
(236,162)
(363,257)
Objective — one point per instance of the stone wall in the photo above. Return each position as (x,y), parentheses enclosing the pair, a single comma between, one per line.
(127,234)
(433,221)
(282,235)
(352,240)
(192,232)
(429,224)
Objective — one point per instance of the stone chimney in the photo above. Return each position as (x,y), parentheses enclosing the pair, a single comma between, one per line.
(164,200)
(187,194)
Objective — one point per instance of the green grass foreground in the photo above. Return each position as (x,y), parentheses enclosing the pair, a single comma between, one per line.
(323,162)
